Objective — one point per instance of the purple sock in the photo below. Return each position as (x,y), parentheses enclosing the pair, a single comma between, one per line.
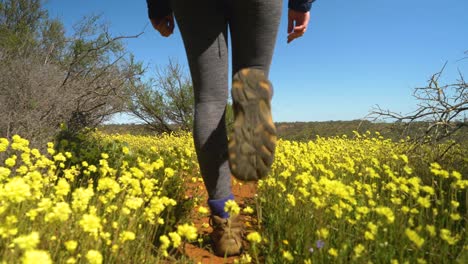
(217,206)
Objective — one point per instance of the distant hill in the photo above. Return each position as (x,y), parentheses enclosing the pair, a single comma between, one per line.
(303,131)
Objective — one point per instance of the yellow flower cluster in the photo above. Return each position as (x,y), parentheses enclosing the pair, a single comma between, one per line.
(254,237)
(54,208)
(366,199)
(334,200)
(232,208)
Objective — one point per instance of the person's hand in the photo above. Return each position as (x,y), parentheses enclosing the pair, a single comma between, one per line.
(165,26)
(297,24)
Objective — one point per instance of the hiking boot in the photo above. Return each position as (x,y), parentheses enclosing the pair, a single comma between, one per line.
(253,139)
(226,235)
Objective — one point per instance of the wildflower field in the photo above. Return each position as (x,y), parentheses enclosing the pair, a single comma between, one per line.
(122,199)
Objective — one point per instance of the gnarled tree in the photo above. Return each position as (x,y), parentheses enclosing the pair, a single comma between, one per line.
(48,78)
(164,103)
(440,112)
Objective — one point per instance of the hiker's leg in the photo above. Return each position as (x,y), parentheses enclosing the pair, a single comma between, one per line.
(254,26)
(204,32)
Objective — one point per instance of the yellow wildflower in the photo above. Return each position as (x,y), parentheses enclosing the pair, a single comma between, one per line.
(10,162)
(36,256)
(232,208)
(455,216)
(291,199)
(333,252)
(187,231)
(22,170)
(94,257)
(387,212)
(358,249)
(165,242)
(244,259)
(3,144)
(323,233)
(457,175)
(71,245)
(288,256)
(81,198)
(176,239)
(70,260)
(125,150)
(133,202)
(62,188)
(60,212)
(203,210)
(91,224)
(254,237)
(4,173)
(16,190)
(369,236)
(27,242)
(431,230)
(248,210)
(424,201)
(421,261)
(126,236)
(446,235)
(414,237)
(169,172)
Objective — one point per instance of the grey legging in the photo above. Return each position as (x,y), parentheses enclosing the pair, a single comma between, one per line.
(253,26)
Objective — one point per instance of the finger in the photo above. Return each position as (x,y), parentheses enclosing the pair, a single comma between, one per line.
(307,19)
(301,28)
(290,39)
(294,36)
(167,32)
(171,24)
(154,24)
(290,24)
(163,30)
(303,20)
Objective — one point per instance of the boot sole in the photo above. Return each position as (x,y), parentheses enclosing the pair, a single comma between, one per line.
(253,139)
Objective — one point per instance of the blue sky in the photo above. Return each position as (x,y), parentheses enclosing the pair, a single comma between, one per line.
(355,54)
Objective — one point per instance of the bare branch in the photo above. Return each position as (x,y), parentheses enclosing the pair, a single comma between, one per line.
(439,106)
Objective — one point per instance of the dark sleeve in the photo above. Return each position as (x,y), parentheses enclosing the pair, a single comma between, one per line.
(158,8)
(300,5)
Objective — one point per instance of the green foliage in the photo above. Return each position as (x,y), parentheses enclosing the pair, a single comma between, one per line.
(27,30)
(83,146)
(50,78)
(229,117)
(165,103)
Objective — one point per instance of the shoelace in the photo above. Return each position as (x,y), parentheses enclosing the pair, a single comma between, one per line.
(223,226)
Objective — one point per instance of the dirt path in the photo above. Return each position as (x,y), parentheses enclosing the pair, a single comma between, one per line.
(202,252)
